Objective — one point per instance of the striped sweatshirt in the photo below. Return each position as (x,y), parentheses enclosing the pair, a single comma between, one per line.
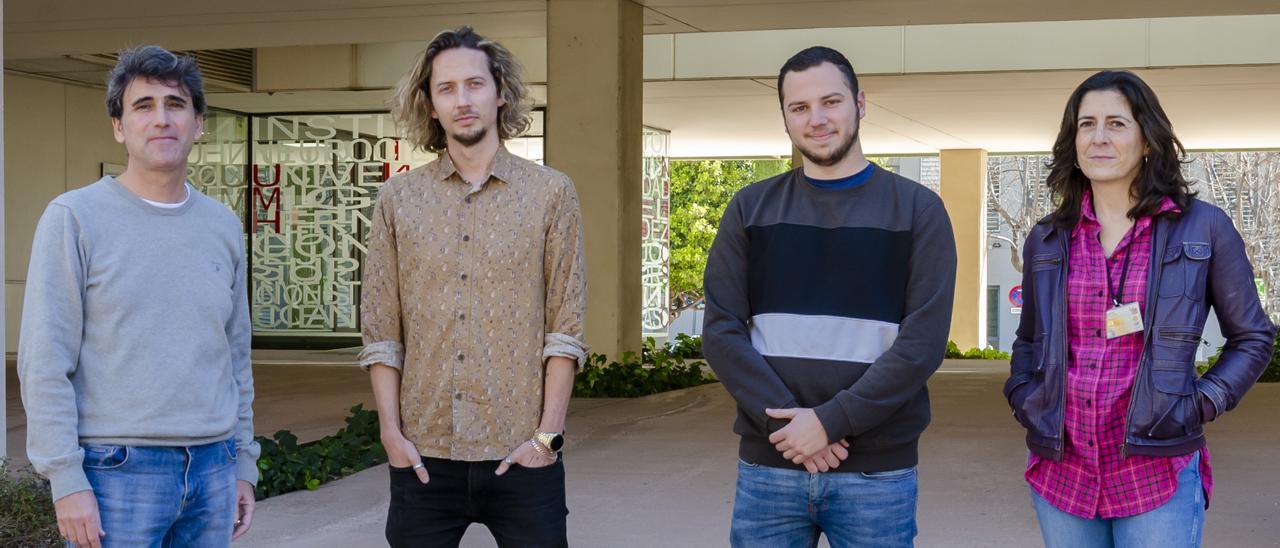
(837,300)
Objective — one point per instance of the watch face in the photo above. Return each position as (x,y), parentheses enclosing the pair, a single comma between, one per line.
(557,441)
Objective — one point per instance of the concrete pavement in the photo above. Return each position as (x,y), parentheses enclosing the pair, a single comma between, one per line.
(659,471)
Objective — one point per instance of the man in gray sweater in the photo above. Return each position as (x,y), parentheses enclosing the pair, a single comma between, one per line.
(134,350)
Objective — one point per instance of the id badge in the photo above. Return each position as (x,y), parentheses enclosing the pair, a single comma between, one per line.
(1123,320)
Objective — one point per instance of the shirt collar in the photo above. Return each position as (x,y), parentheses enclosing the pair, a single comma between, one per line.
(1088,220)
(504,167)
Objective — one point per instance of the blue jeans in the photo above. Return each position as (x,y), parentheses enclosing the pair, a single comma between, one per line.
(783,508)
(1178,523)
(164,496)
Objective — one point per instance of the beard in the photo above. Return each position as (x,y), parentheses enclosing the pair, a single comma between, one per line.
(836,155)
(469,139)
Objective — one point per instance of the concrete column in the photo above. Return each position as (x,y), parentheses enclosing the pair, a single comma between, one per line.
(964,191)
(594,62)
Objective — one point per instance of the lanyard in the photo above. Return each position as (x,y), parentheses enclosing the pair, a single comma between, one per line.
(1118,297)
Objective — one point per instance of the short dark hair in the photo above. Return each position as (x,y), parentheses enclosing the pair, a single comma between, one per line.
(156,63)
(812,57)
(1161,173)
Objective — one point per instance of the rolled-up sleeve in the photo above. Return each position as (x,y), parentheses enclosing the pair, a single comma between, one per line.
(565,275)
(380,297)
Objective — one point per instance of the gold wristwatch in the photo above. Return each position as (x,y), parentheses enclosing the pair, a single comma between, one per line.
(551,440)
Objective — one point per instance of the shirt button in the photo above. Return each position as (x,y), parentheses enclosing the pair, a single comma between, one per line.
(1097,332)
(457,396)
(461,357)
(467,199)
(464,276)
(466,238)
(462,316)
(1099,293)
(1090,443)
(1088,403)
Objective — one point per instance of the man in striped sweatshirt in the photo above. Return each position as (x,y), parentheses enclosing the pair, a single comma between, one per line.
(829,292)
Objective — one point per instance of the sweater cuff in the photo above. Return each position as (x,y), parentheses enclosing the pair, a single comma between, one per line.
(834,420)
(246,467)
(69,480)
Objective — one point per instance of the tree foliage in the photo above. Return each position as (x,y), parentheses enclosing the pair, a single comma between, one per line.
(1246,185)
(700,190)
(1018,195)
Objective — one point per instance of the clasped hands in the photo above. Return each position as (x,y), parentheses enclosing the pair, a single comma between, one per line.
(804,440)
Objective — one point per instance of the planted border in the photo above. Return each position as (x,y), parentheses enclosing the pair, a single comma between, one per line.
(26,510)
(954,353)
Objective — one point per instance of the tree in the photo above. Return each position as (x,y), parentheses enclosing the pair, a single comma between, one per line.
(1017,193)
(700,190)
(1247,186)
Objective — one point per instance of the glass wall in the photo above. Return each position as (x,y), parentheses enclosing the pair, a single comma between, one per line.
(655,234)
(314,181)
(219,161)
(305,186)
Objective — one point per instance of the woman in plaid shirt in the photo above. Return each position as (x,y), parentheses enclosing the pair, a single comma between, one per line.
(1117,285)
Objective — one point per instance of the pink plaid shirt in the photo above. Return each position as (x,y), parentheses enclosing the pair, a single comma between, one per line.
(1093,480)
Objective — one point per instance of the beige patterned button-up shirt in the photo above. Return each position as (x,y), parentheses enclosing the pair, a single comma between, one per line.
(468,290)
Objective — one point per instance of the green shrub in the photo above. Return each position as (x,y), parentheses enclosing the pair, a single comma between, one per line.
(26,510)
(286,466)
(655,370)
(685,348)
(954,353)
(1270,374)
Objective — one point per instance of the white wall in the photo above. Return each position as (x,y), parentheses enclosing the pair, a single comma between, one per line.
(688,322)
(57,137)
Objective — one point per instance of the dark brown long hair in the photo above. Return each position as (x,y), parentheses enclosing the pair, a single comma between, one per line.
(1160,175)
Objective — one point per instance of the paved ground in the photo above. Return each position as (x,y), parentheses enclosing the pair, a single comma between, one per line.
(659,471)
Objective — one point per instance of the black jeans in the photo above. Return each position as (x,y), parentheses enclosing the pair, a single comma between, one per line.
(523,507)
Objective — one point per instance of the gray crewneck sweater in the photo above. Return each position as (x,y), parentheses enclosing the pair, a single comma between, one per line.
(135,330)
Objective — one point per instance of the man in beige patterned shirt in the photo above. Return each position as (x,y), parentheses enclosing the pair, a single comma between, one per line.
(473,300)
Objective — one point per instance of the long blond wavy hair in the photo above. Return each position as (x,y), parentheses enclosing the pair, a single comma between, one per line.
(411,106)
